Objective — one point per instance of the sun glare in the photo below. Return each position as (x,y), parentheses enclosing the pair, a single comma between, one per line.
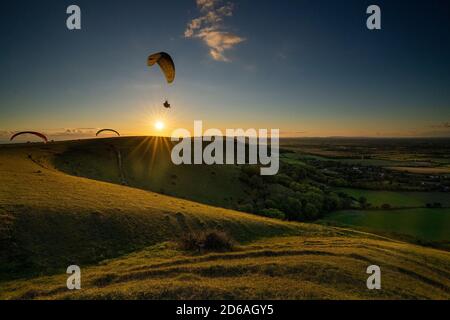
(159,125)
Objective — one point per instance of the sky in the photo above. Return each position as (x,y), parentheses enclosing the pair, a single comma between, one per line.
(308,68)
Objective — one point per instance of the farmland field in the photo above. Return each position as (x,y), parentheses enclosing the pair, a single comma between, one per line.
(398,199)
(431,225)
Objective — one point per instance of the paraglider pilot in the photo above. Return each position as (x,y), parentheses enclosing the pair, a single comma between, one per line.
(166,104)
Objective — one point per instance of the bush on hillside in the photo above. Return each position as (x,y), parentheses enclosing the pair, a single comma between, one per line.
(212,240)
(272,213)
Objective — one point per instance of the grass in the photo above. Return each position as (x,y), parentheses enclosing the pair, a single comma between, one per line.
(430,225)
(53,218)
(277,268)
(124,238)
(399,199)
(147,165)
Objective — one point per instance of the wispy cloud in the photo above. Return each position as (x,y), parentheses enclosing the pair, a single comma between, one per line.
(76,131)
(209,27)
(5,134)
(445,125)
(292,133)
(56,133)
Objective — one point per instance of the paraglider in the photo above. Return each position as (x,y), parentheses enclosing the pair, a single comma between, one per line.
(110,130)
(117,152)
(165,62)
(40,135)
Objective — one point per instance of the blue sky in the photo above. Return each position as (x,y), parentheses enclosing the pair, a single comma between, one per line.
(310,68)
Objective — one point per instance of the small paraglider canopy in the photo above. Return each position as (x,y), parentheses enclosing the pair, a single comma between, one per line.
(40,135)
(166,104)
(110,130)
(165,62)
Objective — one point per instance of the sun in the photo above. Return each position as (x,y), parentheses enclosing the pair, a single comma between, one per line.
(159,125)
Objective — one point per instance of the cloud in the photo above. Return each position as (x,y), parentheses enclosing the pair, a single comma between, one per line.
(5,134)
(210,29)
(445,125)
(85,132)
(292,133)
(282,56)
(206,4)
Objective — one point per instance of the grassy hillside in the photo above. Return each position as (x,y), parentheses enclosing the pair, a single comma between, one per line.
(49,219)
(147,165)
(123,237)
(303,267)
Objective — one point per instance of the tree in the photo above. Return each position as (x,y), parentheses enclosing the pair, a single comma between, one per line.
(311,212)
(363,202)
(273,213)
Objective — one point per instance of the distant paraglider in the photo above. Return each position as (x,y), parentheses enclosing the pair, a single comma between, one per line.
(110,130)
(117,152)
(40,135)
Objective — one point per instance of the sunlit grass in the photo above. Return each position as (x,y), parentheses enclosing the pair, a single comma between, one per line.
(52,218)
(319,267)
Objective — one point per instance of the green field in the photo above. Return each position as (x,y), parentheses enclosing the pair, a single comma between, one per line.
(423,224)
(399,199)
(300,154)
(63,203)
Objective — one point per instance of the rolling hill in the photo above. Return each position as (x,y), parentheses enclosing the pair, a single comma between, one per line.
(67,203)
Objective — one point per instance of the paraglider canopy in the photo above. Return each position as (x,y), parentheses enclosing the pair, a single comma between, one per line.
(110,130)
(165,62)
(40,135)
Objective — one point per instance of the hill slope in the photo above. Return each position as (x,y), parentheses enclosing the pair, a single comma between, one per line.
(146,164)
(312,267)
(49,219)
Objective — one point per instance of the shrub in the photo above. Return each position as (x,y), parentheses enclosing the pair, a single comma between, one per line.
(272,213)
(311,212)
(212,240)
(190,242)
(437,205)
(247,207)
(217,241)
